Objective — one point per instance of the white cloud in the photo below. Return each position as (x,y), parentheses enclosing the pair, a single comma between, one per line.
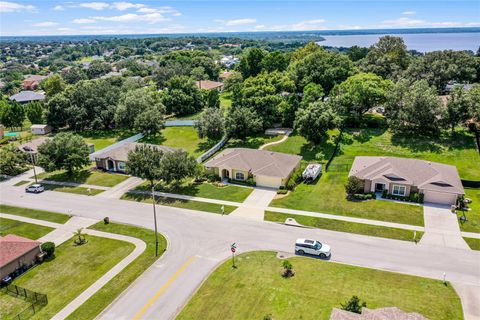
(348,27)
(64,29)
(133,17)
(58,8)
(83,21)
(45,24)
(236,22)
(259,27)
(308,25)
(94,5)
(126,5)
(147,10)
(409,13)
(405,22)
(6,6)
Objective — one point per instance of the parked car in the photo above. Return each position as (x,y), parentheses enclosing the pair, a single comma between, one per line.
(313,247)
(35,188)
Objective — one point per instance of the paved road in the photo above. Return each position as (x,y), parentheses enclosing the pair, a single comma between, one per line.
(198,241)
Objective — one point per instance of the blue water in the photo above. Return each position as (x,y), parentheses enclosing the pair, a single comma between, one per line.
(423,42)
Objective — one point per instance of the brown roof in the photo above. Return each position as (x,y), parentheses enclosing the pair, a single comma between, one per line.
(226,75)
(13,247)
(390,313)
(257,162)
(208,84)
(32,146)
(423,174)
(121,152)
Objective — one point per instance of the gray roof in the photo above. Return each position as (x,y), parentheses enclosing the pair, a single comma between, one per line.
(257,162)
(32,146)
(121,152)
(423,174)
(27,96)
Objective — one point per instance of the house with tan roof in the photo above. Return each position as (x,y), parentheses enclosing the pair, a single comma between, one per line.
(439,183)
(267,168)
(33,81)
(17,252)
(209,85)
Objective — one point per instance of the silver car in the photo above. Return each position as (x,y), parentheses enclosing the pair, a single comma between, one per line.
(35,188)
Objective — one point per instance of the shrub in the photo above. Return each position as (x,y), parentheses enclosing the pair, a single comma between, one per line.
(363,196)
(291,184)
(282,191)
(287,269)
(48,248)
(251,182)
(354,185)
(267,317)
(106,220)
(354,305)
(384,193)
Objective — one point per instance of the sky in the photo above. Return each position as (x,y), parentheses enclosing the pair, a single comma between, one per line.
(54,17)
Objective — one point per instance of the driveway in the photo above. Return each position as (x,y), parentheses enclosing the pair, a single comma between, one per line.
(254,206)
(441,227)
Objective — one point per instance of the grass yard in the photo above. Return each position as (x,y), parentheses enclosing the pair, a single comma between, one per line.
(205,190)
(104,138)
(182,138)
(253,142)
(73,270)
(473,243)
(85,176)
(344,226)
(225,101)
(473,216)
(35,214)
(75,190)
(256,289)
(22,229)
(21,183)
(15,305)
(187,117)
(185,204)
(100,300)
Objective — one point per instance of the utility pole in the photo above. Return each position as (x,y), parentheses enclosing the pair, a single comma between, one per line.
(155,220)
(33,164)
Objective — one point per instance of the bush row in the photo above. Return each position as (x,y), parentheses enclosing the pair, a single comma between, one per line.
(413,197)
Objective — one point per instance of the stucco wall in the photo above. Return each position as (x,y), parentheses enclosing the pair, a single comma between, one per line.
(26,259)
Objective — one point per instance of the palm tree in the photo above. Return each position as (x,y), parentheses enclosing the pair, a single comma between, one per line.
(80,237)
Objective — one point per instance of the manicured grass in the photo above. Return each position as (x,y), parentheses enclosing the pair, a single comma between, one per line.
(473,243)
(76,190)
(100,300)
(182,138)
(252,142)
(15,305)
(22,229)
(35,214)
(102,139)
(225,100)
(73,270)
(473,216)
(206,190)
(21,183)
(344,226)
(256,288)
(185,204)
(187,117)
(327,195)
(85,176)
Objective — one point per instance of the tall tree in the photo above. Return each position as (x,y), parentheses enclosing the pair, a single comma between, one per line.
(211,98)
(242,122)
(176,165)
(457,107)
(315,120)
(34,112)
(211,124)
(144,162)
(11,114)
(133,104)
(182,97)
(251,62)
(53,85)
(12,160)
(150,121)
(387,58)
(275,61)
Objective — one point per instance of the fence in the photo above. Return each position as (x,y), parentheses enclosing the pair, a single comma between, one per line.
(212,150)
(38,300)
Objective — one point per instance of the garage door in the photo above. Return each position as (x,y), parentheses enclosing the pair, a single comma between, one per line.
(270,182)
(439,197)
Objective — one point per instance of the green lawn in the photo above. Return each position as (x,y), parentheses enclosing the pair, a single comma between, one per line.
(76,190)
(182,138)
(104,138)
(205,190)
(85,176)
(225,101)
(256,288)
(21,183)
(15,305)
(252,142)
(35,214)
(473,243)
(344,226)
(473,216)
(22,229)
(185,204)
(93,306)
(73,270)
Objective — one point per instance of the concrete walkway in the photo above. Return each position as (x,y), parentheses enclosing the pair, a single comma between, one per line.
(21,177)
(117,191)
(79,222)
(470,298)
(254,205)
(441,227)
(285,137)
(65,231)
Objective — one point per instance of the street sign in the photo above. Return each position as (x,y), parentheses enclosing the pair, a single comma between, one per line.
(233,250)
(233,245)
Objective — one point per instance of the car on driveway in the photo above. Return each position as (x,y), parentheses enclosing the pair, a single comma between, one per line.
(35,188)
(313,247)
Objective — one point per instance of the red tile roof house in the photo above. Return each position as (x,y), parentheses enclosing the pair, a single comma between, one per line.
(32,82)
(16,252)
(439,183)
(209,85)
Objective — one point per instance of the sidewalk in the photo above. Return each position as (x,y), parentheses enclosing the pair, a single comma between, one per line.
(117,191)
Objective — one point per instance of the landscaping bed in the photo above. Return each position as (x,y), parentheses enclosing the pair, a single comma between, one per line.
(473,216)
(345,226)
(22,229)
(256,288)
(35,214)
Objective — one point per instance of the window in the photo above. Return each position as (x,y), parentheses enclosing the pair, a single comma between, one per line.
(239,176)
(399,190)
(121,166)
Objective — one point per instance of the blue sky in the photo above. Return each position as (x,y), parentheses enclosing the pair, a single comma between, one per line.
(49,17)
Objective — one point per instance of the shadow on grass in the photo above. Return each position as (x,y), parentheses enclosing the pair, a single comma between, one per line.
(459,140)
(158,199)
(107,134)
(156,139)
(253,142)
(78,177)
(205,145)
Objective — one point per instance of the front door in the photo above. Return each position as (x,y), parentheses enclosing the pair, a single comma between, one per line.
(225,173)
(379,187)
(110,165)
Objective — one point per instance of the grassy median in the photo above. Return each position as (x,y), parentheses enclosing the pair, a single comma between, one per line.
(35,214)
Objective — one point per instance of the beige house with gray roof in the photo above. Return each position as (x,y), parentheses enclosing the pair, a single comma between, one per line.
(267,168)
(439,183)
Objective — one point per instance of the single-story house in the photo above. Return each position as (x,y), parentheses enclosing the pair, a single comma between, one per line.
(115,159)
(267,168)
(27,96)
(439,183)
(225,75)
(388,313)
(40,129)
(17,252)
(31,82)
(209,85)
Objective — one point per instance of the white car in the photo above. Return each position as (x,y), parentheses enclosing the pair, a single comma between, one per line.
(35,188)
(312,247)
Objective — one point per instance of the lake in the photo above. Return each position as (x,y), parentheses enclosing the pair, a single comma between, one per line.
(422,42)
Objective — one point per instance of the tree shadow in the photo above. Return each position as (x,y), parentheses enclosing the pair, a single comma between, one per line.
(158,139)
(459,140)
(361,135)
(78,177)
(205,145)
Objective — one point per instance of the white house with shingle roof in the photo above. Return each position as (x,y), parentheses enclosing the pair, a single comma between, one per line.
(267,168)
(439,183)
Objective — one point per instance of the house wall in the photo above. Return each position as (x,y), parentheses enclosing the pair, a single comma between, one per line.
(367,186)
(407,190)
(26,259)
(234,174)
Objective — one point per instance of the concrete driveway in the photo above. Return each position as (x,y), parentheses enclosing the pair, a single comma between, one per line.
(254,206)
(441,227)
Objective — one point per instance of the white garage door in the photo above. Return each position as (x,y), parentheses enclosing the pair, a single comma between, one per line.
(439,197)
(270,182)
